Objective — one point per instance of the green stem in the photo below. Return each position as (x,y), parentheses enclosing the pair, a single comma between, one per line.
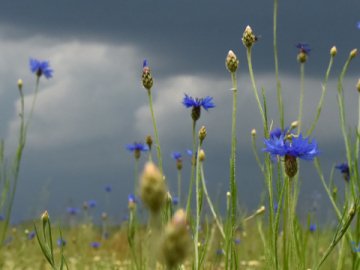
(254,84)
(158,149)
(212,209)
(302,76)
(321,101)
(278,83)
(198,203)
(358,132)
(188,203)
(179,186)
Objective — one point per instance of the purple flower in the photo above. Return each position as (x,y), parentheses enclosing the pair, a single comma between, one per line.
(176,155)
(141,147)
(31,235)
(95,245)
(91,203)
(40,68)
(108,188)
(358,25)
(312,227)
(61,242)
(206,102)
(303,47)
(344,169)
(72,210)
(175,201)
(132,198)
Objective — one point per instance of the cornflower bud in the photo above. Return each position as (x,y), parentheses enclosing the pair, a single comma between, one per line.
(20,84)
(294,125)
(358,86)
(353,53)
(45,217)
(202,134)
(149,141)
(147,79)
(291,167)
(201,155)
(248,38)
(152,188)
(333,51)
(231,61)
(176,241)
(253,132)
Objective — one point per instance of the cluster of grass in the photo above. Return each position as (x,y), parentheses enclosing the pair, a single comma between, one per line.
(177,232)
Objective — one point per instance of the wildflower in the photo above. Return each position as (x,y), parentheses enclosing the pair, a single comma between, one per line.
(285,144)
(95,245)
(132,201)
(175,201)
(237,241)
(358,25)
(72,211)
(304,50)
(231,61)
(40,68)
(248,38)
(312,227)
(108,188)
(333,51)
(31,235)
(137,148)
(178,158)
(196,104)
(91,203)
(61,242)
(344,169)
(147,79)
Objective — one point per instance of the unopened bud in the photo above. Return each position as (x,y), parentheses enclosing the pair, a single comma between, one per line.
(294,124)
(253,132)
(260,210)
(358,86)
(231,61)
(152,188)
(201,155)
(353,53)
(202,134)
(146,77)
(45,217)
(302,57)
(104,216)
(291,167)
(248,38)
(333,51)
(149,141)
(20,84)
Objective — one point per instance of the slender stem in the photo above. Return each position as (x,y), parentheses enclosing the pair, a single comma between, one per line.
(254,84)
(198,203)
(278,83)
(358,132)
(136,175)
(158,149)
(254,149)
(321,101)
(212,209)
(188,204)
(302,75)
(179,186)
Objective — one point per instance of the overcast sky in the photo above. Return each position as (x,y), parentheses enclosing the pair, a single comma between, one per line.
(95,104)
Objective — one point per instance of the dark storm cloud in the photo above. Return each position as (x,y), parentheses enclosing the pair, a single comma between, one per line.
(194,36)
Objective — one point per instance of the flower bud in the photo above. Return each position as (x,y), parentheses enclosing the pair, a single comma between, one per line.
(353,53)
(294,124)
(231,61)
(253,132)
(176,241)
(147,79)
(20,84)
(248,38)
(202,134)
(152,188)
(149,141)
(45,217)
(333,51)
(302,57)
(104,216)
(358,86)
(201,155)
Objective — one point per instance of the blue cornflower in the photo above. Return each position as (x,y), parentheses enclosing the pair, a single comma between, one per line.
(132,198)
(312,227)
(61,242)
(108,188)
(358,25)
(196,104)
(137,148)
(31,235)
(40,68)
(287,145)
(175,201)
(303,48)
(279,145)
(344,169)
(91,203)
(72,210)
(176,155)
(95,245)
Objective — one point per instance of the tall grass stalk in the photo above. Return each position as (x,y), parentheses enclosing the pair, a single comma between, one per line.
(301,100)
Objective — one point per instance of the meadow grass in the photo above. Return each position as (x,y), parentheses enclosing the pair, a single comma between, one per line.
(178,232)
